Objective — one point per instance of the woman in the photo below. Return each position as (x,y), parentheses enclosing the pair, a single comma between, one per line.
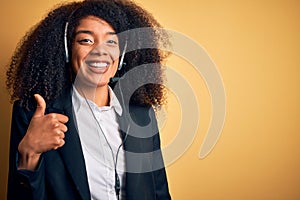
(72,136)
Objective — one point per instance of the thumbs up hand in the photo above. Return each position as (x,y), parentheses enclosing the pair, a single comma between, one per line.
(45,132)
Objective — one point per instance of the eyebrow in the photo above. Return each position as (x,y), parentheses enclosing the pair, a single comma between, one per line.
(92,33)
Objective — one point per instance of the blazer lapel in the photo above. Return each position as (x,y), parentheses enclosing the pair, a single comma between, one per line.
(71,152)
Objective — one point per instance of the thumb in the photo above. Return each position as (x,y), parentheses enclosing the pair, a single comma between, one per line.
(41,106)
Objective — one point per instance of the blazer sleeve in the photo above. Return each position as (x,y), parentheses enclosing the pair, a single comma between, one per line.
(160,177)
(23,184)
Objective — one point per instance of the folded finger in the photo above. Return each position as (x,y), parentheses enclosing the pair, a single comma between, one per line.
(62,118)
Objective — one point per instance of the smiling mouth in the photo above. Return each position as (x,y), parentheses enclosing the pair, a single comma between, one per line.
(98,64)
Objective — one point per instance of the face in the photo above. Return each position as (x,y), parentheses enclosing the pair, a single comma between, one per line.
(95,52)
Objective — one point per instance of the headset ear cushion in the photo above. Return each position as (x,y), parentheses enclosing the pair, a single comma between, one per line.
(122,66)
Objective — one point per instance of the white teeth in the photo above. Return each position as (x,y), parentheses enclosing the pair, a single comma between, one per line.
(98,64)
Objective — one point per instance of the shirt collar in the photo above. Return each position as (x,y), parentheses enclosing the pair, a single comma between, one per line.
(79,101)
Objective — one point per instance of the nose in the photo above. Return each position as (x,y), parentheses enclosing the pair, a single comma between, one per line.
(99,50)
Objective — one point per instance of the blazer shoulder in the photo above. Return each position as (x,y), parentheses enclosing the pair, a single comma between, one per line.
(141,114)
(20,111)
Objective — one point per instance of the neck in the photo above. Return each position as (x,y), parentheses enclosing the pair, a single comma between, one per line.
(99,95)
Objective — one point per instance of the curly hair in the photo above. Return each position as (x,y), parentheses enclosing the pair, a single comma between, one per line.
(39,65)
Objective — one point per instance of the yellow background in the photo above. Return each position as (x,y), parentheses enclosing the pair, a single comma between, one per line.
(256,46)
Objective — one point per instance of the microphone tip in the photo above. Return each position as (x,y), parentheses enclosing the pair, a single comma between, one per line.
(114,79)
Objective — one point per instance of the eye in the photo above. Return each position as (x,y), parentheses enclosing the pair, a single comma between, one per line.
(85,41)
(112,42)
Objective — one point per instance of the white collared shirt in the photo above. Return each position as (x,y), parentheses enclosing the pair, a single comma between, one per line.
(98,157)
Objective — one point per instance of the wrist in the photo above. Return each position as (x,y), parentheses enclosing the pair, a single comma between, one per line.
(28,159)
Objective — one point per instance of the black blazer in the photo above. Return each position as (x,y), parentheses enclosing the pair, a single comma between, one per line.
(61,174)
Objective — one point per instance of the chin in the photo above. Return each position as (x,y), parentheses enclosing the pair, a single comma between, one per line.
(102,83)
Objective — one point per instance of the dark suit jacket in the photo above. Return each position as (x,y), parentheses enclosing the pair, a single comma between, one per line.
(61,174)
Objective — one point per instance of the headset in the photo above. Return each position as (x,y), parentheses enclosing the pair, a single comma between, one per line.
(67,51)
